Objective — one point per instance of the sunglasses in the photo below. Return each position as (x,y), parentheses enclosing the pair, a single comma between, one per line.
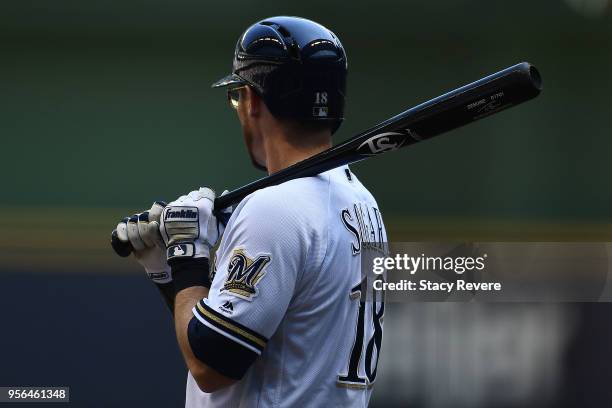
(233,96)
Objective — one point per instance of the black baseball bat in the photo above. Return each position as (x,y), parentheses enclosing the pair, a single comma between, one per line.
(469,103)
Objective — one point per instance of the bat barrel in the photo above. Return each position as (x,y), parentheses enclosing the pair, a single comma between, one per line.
(472,102)
(536,78)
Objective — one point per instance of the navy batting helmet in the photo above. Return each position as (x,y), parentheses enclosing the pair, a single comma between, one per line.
(297,66)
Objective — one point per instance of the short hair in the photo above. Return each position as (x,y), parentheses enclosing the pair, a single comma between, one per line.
(321,131)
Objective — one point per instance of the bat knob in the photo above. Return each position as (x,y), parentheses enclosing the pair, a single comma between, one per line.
(123,249)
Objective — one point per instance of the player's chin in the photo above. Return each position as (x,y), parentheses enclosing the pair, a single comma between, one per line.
(256,164)
(259,164)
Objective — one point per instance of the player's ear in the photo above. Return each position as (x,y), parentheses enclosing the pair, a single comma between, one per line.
(253,102)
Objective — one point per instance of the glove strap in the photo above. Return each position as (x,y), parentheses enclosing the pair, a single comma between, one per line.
(188,272)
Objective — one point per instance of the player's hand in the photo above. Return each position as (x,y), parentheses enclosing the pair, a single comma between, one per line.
(189,227)
(141,231)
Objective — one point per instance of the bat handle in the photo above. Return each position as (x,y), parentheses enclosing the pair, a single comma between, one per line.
(123,249)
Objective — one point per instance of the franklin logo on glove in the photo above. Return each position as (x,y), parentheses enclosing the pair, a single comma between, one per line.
(186,214)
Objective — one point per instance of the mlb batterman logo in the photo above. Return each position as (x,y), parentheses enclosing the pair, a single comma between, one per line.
(186,250)
(243,274)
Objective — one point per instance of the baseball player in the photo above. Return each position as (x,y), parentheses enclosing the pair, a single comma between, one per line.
(280,317)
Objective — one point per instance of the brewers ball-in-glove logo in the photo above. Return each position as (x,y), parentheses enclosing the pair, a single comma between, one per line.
(243,274)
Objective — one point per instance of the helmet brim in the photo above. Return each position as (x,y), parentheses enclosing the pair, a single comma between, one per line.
(230,80)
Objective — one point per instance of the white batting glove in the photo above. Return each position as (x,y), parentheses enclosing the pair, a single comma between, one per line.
(189,227)
(142,232)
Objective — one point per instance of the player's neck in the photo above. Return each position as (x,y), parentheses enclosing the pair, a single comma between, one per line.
(281,153)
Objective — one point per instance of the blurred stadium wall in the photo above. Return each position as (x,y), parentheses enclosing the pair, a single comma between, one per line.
(93,93)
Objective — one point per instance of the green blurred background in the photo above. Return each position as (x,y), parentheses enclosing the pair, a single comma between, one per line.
(106,106)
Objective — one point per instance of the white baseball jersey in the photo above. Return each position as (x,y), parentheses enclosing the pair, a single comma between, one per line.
(285,312)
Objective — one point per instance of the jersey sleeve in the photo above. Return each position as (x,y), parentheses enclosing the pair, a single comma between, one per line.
(257,268)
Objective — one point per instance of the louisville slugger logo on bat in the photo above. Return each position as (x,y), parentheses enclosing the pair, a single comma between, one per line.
(386,142)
